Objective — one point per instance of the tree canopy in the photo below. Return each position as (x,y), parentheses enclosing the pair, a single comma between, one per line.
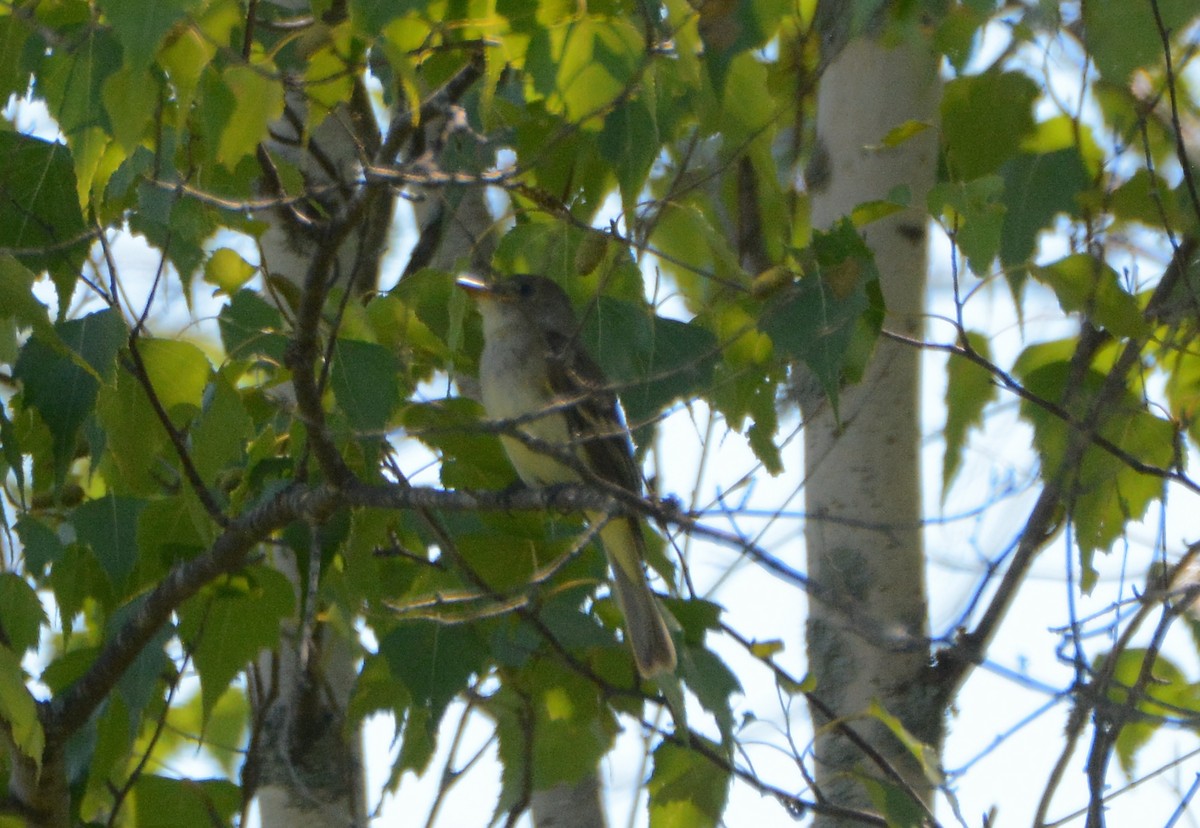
(173,424)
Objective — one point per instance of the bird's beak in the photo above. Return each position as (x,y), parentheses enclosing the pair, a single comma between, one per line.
(475,284)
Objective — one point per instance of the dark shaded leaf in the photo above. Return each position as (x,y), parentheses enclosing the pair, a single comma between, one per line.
(433,661)
(109,526)
(40,218)
(61,386)
(230,621)
(163,802)
(21,613)
(831,319)
(364,380)
(984,118)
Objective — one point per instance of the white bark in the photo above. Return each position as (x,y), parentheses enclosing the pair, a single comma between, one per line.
(570,806)
(304,767)
(863,480)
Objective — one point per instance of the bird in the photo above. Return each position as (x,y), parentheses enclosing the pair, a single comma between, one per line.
(535,374)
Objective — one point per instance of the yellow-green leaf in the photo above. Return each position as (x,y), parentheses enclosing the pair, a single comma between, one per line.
(227,270)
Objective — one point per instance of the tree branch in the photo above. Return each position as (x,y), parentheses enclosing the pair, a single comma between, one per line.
(955,663)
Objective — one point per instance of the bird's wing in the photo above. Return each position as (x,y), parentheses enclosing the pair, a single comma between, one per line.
(593,416)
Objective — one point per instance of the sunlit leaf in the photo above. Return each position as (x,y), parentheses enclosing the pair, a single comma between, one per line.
(1087,285)
(258,100)
(687,789)
(1104,492)
(228,270)
(18,708)
(969,389)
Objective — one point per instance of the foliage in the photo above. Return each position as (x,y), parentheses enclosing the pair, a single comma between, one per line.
(142,467)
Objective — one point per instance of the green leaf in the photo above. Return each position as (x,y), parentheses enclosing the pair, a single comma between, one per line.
(1087,285)
(40,218)
(228,270)
(178,372)
(163,802)
(113,734)
(652,361)
(1105,494)
(1168,695)
(21,613)
(18,302)
(831,319)
(553,726)
(10,445)
(221,432)
(15,43)
(894,803)
(179,227)
(168,532)
(143,680)
(433,661)
(364,381)
(73,79)
(984,119)
(18,708)
(564,726)
(251,326)
(109,526)
(78,578)
(630,137)
(42,547)
(973,213)
(713,683)
(470,458)
(62,387)
(184,57)
(1148,199)
(729,29)
(134,439)
(926,756)
(140,26)
(131,99)
(258,100)
(230,622)
(68,667)
(687,790)
(1121,36)
(969,388)
(1036,189)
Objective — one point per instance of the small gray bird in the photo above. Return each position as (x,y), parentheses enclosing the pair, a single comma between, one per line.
(532,362)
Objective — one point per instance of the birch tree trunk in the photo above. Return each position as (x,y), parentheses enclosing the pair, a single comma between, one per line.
(305,765)
(863,535)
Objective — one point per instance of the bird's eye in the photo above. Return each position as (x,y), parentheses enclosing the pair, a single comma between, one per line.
(525,290)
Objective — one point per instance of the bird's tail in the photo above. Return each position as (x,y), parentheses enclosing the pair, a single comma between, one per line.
(648,635)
